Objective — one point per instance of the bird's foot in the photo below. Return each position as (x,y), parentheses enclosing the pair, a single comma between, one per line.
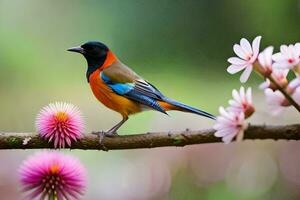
(102,135)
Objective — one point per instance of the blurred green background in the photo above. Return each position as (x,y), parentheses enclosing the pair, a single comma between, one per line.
(179,46)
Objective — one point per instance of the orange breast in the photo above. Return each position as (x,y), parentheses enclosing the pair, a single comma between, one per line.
(110,99)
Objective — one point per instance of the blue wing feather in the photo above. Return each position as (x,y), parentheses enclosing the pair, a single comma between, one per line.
(131,91)
(143,92)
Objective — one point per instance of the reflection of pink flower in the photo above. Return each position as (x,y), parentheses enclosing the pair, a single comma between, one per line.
(229,125)
(247,55)
(61,123)
(52,175)
(242,102)
(287,58)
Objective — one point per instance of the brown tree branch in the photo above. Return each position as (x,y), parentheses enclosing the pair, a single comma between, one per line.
(149,140)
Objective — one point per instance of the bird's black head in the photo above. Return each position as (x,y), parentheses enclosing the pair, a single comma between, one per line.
(95,54)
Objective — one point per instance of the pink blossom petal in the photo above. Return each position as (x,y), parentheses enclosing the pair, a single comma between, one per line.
(223,132)
(233,103)
(228,138)
(232,69)
(277,57)
(296,95)
(255,45)
(264,85)
(236,96)
(224,113)
(249,95)
(242,94)
(265,57)
(245,75)
(236,61)
(245,45)
(294,83)
(239,51)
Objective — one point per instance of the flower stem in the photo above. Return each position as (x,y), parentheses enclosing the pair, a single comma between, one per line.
(283,91)
(261,72)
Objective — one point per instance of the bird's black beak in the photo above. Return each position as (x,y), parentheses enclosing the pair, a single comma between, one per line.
(76,49)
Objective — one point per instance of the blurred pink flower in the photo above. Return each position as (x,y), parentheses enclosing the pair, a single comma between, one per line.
(247,55)
(276,101)
(293,85)
(61,123)
(297,48)
(242,102)
(265,60)
(229,125)
(279,75)
(287,58)
(296,95)
(294,89)
(52,175)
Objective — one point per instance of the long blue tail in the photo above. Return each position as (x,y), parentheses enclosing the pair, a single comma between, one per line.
(189,108)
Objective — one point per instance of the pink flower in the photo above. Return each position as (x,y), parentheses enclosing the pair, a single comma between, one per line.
(276,101)
(279,76)
(61,123)
(296,95)
(294,89)
(242,102)
(265,60)
(229,125)
(287,58)
(294,84)
(247,55)
(297,49)
(52,175)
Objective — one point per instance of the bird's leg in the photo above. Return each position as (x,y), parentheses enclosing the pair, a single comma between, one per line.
(111,132)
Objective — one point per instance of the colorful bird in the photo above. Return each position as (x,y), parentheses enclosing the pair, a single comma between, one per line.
(121,89)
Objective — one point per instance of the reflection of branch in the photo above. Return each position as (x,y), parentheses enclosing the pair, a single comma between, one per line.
(149,140)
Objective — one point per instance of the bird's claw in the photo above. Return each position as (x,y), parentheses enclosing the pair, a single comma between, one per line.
(102,135)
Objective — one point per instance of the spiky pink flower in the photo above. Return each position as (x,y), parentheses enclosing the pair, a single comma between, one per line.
(61,123)
(229,125)
(52,175)
(242,102)
(287,58)
(247,55)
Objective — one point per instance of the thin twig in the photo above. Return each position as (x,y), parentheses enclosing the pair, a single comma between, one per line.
(149,140)
(283,91)
(264,74)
